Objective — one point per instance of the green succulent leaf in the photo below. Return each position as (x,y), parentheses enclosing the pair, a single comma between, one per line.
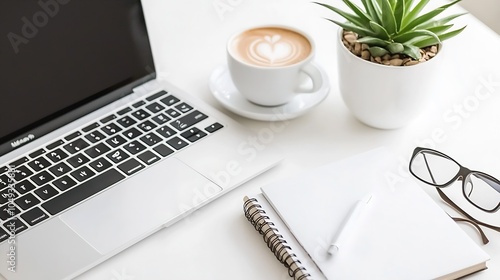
(351,27)
(439,22)
(413,13)
(408,5)
(379,31)
(399,12)
(393,3)
(412,51)
(405,37)
(357,10)
(349,17)
(395,48)
(372,41)
(440,29)
(428,16)
(371,10)
(432,41)
(388,17)
(377,51)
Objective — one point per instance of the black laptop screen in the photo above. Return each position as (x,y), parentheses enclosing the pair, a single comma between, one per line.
(59,55)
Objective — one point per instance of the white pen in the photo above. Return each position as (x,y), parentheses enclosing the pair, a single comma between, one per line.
(349,225)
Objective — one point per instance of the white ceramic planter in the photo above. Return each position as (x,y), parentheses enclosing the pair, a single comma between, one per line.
(381,96)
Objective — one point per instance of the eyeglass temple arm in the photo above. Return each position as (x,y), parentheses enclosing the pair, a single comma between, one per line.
(474,224)
(461,211)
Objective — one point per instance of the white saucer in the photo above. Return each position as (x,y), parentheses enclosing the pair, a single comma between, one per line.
(225,92)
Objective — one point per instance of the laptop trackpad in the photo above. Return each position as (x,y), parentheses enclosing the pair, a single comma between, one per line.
(140,205)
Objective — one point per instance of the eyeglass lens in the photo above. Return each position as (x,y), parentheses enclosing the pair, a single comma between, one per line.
(482,191)
(433,168)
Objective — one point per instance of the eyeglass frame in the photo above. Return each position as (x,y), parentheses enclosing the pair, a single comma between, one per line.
(462,174)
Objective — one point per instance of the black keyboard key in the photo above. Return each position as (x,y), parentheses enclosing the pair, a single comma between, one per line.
(78,160)
(95,136)
(64,183)
(134,147)
(82,174)
(97,150)
(163,150)
(177,143)
(8,211)
(117,156)
(146,126)
(131,166)
(151,139)
(124,111)
(15,226)
(100,164)
(166,131)
(3,235)
(193,134)
(39,164)
(37,153)
(6,180)
(111,129)
(3,169)
(126,121)
(55,144)
(155,108)
(72,136)
(149,157)
(140,114)
(76,146)
(46,192)
(34,216)
(24,186)
(42,178)
(6,194)
(56,155)
(156,95)
(183,107)
(19,162)
(90,127)
(108,118)
(60,169)
(83,191)
(172,113)
(160,119)
(138,104)
(132,133)
(214,127)
(116,141)
(169,100)
(21,172)
(188,120)
(27,201)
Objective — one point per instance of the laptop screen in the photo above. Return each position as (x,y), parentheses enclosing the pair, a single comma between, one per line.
(59,56)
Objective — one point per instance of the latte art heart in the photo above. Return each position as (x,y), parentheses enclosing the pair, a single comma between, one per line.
(272,47)
(272,53)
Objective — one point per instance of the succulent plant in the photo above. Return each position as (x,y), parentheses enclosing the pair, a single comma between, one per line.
(396,26)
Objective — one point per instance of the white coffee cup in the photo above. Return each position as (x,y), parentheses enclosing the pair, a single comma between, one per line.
(267,64)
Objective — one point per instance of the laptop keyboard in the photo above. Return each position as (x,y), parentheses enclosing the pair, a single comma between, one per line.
(71,169)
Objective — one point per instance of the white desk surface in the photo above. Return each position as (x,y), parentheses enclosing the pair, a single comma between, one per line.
(217,242)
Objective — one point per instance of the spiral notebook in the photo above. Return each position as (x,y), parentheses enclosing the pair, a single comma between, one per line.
(403,235)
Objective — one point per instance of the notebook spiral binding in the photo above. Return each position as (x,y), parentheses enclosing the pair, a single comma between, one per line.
(274,240)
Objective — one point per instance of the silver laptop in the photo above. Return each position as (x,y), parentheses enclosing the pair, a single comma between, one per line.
(95,153)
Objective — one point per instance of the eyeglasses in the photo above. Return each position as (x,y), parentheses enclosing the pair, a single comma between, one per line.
(439,170)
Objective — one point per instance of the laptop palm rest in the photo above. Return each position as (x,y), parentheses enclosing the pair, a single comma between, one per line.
(140,205)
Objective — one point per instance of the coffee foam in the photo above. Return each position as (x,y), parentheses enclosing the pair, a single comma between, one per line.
(271,47)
